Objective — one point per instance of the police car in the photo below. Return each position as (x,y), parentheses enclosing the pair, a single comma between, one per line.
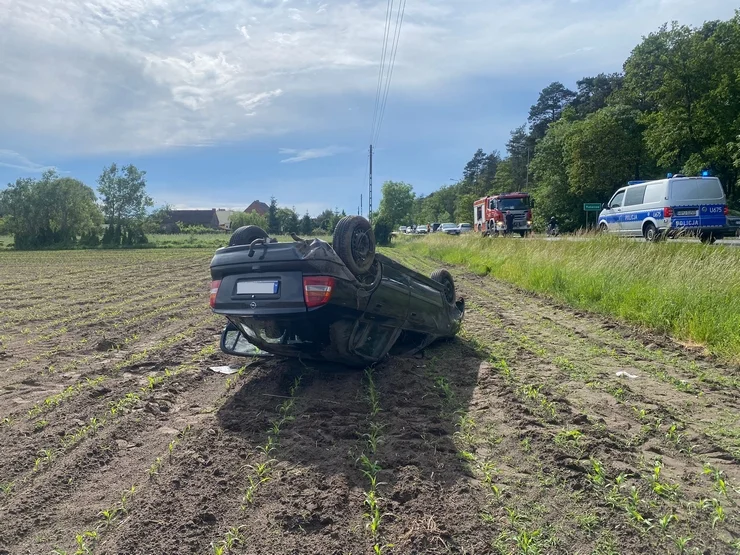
(670,207)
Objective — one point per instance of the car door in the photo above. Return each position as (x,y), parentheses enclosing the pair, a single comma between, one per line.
(614,212)
(632,214)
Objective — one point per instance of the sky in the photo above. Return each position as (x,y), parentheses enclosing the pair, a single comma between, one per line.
(226,102)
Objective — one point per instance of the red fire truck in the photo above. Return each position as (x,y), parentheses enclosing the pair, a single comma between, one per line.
(490,214)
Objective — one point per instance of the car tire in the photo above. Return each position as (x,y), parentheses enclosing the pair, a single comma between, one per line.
(354,243)
(245,235)
(651,233)
(603,228)
(445,278)
(707,238)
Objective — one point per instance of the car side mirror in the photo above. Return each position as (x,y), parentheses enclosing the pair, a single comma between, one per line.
(234,343)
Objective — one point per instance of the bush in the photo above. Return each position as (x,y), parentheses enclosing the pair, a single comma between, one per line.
(89,239)
(382,229)
(240,219)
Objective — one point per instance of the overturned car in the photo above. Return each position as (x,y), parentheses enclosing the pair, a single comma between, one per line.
(344,303)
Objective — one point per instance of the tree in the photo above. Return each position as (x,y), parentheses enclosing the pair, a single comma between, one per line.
(593,92)
(604,151)
(124,197)
(47,212)
(155,220)
(520,148)
(550,104)
(288,220)
(396,203)
(306,224)
(273,224)
(685,81)
(240,219)
(324,220)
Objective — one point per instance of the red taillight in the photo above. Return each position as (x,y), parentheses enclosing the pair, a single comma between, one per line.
(214,291)
(667,212)
(727,210)
(317,290)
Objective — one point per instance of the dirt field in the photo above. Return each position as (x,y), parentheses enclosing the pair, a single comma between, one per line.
(518,437)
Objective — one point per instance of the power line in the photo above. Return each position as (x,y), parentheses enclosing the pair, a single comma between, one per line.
(394,52)
(381,68)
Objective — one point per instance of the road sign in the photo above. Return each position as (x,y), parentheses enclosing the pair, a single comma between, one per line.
(592,207)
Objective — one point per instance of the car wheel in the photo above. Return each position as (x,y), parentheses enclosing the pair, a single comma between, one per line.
(603,228)
(707,238)
(246,234)
(445,278)
(354,243)
(651,233)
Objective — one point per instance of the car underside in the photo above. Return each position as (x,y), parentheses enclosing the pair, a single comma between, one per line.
(342,303)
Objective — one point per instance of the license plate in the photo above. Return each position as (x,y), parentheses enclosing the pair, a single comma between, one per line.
(685,212)
(257,287)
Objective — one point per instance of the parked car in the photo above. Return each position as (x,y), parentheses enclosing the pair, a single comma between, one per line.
(465,228)
(423,228)
(435,227)
(733,223)
(449,229)
(669,207)
(402,229)
(345,303)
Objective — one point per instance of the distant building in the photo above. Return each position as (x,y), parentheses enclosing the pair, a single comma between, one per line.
(258,207)
(224,218)
(206,218)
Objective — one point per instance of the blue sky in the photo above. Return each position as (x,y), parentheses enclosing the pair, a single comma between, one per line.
(225,102)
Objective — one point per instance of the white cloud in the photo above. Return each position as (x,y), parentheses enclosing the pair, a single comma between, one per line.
(94,76)
(311,153)
(11,159)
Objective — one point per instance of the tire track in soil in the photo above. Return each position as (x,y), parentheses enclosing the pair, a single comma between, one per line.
(25,440)
(199,496)
(621,455)
(32,385)
(93,474)
(571,333)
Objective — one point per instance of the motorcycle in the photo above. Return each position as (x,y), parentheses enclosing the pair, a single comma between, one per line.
(552,230)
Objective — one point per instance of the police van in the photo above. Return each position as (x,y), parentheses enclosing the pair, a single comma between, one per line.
(668,207)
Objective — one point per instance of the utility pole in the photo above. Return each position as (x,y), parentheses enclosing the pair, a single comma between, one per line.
(361,205)
(370,196)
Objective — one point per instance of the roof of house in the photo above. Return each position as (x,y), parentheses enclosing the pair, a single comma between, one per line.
(224,216)
(259,207)
(193,217)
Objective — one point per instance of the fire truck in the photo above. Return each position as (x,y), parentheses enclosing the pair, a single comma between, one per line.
(490,214)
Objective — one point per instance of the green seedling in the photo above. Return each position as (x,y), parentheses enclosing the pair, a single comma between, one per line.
(40,425)
(156,465)
(379,549)
(665,521)
(717,477)
(108,516)
(268,447)
(526,542)
(7,487)
(719,514)
(597,474)
(681,543)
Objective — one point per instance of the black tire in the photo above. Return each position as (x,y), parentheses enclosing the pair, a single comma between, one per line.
(354,243)
(603,228)
(246,234)
(707,238)
(651,233)
(445,278)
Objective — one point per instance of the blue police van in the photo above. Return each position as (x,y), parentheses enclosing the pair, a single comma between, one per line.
(671,207)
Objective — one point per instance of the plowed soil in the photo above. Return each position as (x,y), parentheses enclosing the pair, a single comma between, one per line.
(539,430)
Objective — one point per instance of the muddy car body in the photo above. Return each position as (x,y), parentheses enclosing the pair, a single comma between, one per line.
(305,299)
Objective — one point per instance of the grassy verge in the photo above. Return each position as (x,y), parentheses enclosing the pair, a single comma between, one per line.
(691,291)
(166,241)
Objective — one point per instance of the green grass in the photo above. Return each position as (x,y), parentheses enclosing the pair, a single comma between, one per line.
(689,290)
(179,240)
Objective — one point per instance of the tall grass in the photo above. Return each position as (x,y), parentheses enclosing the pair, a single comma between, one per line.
(689,290)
